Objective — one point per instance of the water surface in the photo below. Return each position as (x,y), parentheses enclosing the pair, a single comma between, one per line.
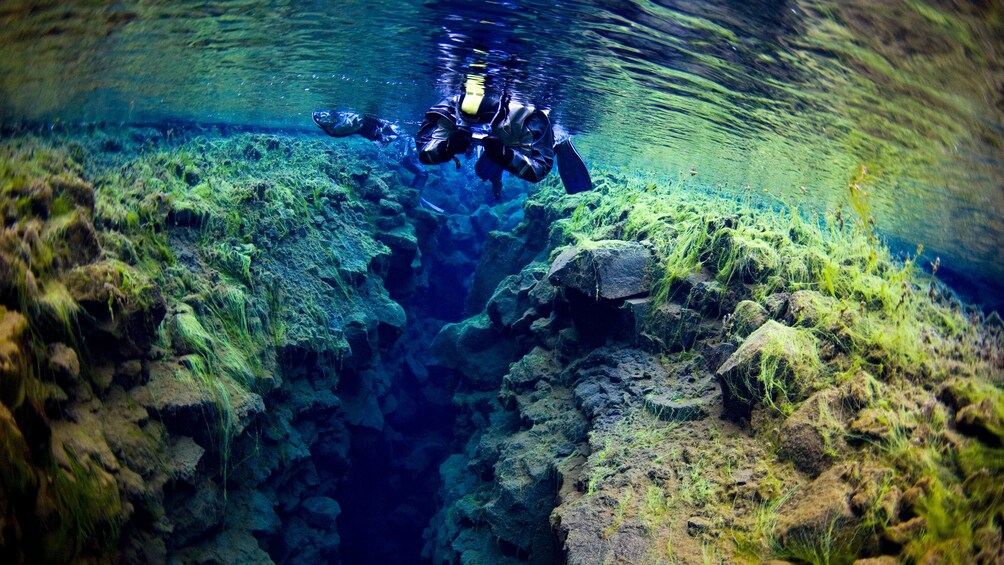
(786,99)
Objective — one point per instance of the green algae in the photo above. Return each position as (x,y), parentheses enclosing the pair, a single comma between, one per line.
(860,321)
(261,252)
(88,513)
(225,307)
(880,304)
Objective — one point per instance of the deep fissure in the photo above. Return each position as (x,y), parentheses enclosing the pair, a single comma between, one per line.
(390,490)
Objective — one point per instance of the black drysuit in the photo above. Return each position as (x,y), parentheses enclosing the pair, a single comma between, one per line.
(519,140)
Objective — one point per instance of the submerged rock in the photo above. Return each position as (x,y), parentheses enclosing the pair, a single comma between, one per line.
(671,327)
(809,308)
(708,297)
(747,317)
(606,381)
(320,512)
(64,364)
(609,269)
(979,409)
(185,405)
(812,437)
(74,240)
(124,305)
(520,299)
(15,361)
(503,254)
(17,476)
(775,365)
(519,512)
(822,509)
(476,349)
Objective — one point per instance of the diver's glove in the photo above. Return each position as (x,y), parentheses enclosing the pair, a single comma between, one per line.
(458,142)
(497,150)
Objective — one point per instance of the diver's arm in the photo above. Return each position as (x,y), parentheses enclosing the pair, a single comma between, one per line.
(439,138)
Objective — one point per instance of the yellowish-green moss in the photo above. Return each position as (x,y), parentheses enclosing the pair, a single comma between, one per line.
(865,312)
(88,512)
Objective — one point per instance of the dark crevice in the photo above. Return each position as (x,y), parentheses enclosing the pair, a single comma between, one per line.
(389,493)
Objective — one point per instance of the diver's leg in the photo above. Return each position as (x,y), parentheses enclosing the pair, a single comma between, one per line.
(497,185)
(411,164)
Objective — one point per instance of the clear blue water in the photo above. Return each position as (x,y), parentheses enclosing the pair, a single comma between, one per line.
(770,95)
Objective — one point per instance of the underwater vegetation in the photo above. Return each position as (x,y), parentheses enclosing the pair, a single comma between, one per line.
(770,385)
(202,333)
(158,290)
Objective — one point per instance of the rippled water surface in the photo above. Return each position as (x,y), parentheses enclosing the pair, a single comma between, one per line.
(783,99)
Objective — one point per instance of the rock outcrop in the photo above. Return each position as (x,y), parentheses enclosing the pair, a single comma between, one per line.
(690,399)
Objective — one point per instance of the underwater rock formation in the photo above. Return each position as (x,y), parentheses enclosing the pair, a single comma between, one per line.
(657,384)
(251,347)
(189,349)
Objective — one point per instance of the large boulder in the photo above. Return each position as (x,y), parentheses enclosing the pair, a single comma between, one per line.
(776,366)
(124,306)
(609,269)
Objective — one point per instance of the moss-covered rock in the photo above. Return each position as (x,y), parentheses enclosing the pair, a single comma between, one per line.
(809,308)
(708,297)
(812,437)
(73,240)
(979,409)
(19,478)
(739,253)
(774,367)
(124,306)
(820,518)
(671,327)
(747,317)
(15,357)
(607,270)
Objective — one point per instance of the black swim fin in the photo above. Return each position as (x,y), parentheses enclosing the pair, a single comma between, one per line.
(574,174)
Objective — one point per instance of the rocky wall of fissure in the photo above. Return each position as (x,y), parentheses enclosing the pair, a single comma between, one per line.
(658,375)
(201,359)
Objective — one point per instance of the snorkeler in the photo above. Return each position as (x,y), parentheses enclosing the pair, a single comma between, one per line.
(514,137)
(343,124)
